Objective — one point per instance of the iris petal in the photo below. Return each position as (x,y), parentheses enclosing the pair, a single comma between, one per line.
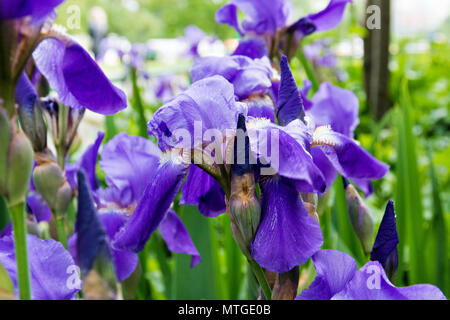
(76,77)
(177,237)
(152,208)
(203,191)
(287,236)
(49,263)
(371,283)
(334,270)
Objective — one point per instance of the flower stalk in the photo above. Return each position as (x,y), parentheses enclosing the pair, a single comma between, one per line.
(18,216)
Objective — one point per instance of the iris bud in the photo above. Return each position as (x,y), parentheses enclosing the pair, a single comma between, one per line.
(360,218)
(50,182)
(244,206)
(16,161)
(30,114)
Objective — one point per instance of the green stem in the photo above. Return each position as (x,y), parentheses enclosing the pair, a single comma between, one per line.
(308,69)
(138,105)
(259,274)
(18,216)
(60,229)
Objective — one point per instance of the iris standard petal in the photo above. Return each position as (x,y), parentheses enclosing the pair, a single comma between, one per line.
(290,104)
(203,191)
(130,163)
(76,77)
(371,283)
(49,265)
(228,14)
(248,76)
(336,107)
(334,270)
(152,208)
(177,237)
(287,236)
(209,102)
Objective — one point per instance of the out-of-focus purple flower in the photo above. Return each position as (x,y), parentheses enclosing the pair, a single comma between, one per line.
(307,103)
(76,77)
(320,53)
(323,20)
(338,279)
(247,76)
(13,9)
(262,16)
(38,207)
(287,236)
(252,47)
(193,35)
(385,247)
(49,265)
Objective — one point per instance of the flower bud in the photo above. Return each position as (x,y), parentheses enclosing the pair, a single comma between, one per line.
(244,206)
(16,163)
(360,218)
(30,114)
(5,137)
(50,182)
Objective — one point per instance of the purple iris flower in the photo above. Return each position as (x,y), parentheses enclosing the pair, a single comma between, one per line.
(333,117)
(285,221)
(261,16)
(50,268)
(132,167)
(338,279)
(247,76)
(323,20)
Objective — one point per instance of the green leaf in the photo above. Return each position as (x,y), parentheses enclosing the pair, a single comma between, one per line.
(408,196)
(343,225)
(6,285)
(436,251)
(235,261)
(199,282)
